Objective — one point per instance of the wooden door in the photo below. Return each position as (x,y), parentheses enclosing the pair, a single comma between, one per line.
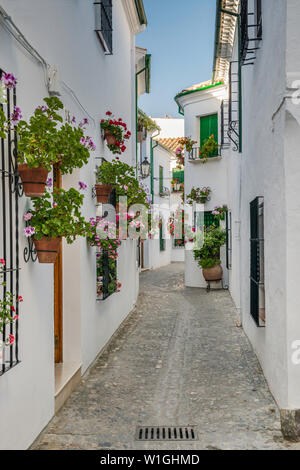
(208,127)
(58,289)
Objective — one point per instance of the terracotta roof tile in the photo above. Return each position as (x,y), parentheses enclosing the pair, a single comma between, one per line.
(171,144)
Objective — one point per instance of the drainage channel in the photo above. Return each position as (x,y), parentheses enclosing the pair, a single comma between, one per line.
(166,433)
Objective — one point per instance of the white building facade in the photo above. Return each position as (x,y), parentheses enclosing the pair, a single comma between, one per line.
(92,72)
(257,176)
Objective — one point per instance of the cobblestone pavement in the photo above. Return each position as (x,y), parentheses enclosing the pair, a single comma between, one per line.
(178,360)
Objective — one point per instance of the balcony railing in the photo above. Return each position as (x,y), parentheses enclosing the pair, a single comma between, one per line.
(164,192)
(194,154)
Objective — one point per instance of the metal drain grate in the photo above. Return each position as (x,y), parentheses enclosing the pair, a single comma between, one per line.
(166,433)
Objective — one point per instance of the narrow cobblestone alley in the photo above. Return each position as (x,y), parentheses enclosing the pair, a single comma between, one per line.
(178,360)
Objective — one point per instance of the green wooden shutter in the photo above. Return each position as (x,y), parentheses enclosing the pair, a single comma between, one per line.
(161,178)
(161,239)
(205,219)
(208,127)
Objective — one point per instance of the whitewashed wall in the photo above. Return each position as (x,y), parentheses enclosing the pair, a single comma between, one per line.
(198,174)
(27,392)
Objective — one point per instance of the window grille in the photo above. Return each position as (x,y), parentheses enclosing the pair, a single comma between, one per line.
(106,275)
(103,24)
(257,298)
(233,106)
(162,244)
(225,141)
(10,191)
(205,219)
(251,31)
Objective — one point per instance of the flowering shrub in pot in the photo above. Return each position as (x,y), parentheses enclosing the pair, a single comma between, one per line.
(53,218)
(7,308)
(44,141)
(115,133)
(206,249)
(220,211)
(7,82)
(209,149)
(198,195)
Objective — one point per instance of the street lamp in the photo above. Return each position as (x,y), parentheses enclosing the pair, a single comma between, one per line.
(145,168)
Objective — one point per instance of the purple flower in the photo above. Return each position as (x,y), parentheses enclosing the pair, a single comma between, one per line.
(29,231)
(51,117)
(16,116)
(28,216)
(85,121)
(49,182)
(82,185)
(73,119)
(82,141)
(9,80)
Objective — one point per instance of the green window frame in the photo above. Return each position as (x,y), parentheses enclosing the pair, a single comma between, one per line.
(206,219)
(178,175)
(161,178)
(208,127)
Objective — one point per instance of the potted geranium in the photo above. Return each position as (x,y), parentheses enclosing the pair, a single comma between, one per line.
(188,143)
(45,141)
(209,149)
(220,211)
(198,195)
(207,252)
(120,177)
(53,217)
(115,133)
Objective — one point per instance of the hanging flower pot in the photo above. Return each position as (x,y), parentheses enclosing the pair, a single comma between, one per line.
(213,274)
(47,249)
(33,179)
(103,192)
(110,138)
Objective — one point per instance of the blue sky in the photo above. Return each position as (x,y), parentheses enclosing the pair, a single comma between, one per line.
(180,38)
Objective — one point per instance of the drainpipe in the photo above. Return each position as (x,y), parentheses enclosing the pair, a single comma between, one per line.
(136,118)
(152,147)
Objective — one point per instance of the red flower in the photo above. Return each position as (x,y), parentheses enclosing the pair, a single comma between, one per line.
(129,133)
(20,298)
(11,339)
(2,261)
(108,113)
(123,148)
(12,308)
(15,317)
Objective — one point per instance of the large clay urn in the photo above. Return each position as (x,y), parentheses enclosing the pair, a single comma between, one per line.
(33,180)
(213,274)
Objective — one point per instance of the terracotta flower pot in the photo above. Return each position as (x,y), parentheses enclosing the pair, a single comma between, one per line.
(110,138)
(33,180)
(47,249)
(102,192)
(213,274)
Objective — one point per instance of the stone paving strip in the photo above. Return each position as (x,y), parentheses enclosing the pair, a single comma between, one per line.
(178,360)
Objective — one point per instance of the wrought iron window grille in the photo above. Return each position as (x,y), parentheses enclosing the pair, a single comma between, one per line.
(251,34)
(11,190)
(106,275)
(225,140)
(257,260)
(228,240)
(103,24)
(233,106)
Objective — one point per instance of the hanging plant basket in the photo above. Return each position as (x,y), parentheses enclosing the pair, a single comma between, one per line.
(110,138)
(103,192)
(47,249)
(33,179)
(213,274)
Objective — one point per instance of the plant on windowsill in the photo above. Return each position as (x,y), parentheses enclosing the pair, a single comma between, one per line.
(7,308)
(198,195)
(188,143)
(121,177)
(206,249)
(55,216)
(45,141)
(209,149)
(220,211)
(115,133)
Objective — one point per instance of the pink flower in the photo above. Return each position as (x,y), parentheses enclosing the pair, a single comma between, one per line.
(15,317)
(29,231)
(49,182)
(2,261)
(82,185)
(28,216)
(9,80)
(16,116)
(20,298)
(11,339)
